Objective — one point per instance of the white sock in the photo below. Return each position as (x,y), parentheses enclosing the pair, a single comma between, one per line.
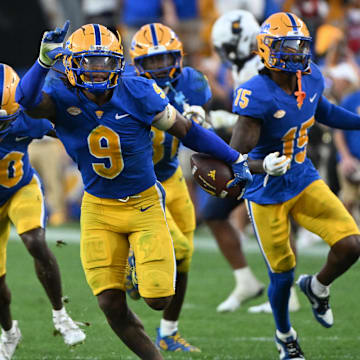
(58,313)
(318,288)
(12,331)
(168,327)
(243,275)
(284,336)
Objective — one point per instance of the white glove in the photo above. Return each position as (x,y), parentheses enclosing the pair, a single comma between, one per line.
(195,112)
(52,45)
(222,118)
(276,165)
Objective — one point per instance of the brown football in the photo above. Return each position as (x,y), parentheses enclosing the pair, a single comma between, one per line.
(213,175)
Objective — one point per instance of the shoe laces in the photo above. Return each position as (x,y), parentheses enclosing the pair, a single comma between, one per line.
(293,349)
(67,322)
(9,338)
(177,338)
(322,304)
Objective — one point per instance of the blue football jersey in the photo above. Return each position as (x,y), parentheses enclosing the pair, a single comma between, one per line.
(352,103)
(192,88)
(15,167)
(285,126)
(111,144)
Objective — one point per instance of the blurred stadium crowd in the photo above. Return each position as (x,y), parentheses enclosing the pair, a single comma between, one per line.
(334,26)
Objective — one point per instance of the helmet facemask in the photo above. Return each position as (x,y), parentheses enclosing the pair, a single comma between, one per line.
(289,53)
(162,67)
(96,71)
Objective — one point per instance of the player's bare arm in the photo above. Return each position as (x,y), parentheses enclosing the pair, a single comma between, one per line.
(244,138)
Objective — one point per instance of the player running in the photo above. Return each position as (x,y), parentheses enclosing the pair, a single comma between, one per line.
(157,53)
(22,204)
(276,109)
(104,120)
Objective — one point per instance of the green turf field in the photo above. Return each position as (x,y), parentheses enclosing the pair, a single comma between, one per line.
(229,336)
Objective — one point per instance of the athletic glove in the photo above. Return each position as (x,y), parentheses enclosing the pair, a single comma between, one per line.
(241,172)
(194,112)
(52,45)
(276,165)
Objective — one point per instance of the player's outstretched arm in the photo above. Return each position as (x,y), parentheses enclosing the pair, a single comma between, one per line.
(195,137)
(336,116)
(28,92)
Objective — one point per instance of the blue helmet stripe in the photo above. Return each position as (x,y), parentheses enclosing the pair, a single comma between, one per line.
(97,34)
(153,35)
(2,79)
(293,22)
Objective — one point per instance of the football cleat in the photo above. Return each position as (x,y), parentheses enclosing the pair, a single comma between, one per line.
(68,329)
(131,283)
(241,295)
(9,342)
(289,349)
(294,305)
(320,305)
(174,342)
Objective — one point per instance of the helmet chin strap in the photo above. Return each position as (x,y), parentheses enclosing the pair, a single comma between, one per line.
(300,94)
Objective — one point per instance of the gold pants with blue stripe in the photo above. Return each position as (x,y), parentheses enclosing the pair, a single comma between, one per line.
(316,208)
(109,226)
(26,210)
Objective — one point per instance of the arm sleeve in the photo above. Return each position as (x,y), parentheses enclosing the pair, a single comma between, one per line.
(28,92)
(203,140)
(336,116)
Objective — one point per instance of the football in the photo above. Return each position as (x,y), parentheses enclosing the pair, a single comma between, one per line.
(213,175)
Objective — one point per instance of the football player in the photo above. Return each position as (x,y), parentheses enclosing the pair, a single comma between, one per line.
(234,39)
(276,109)
(104,121)
(157,53)
(22,203)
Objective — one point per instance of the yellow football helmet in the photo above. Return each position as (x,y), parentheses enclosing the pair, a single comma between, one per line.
(157,53)
(9,109)
(95,59)
(284,43)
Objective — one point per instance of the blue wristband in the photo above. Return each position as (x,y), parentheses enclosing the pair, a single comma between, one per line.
(28,92)
(205,141)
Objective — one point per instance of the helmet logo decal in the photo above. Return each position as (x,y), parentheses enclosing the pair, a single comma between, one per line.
(235,27)
(265,29)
